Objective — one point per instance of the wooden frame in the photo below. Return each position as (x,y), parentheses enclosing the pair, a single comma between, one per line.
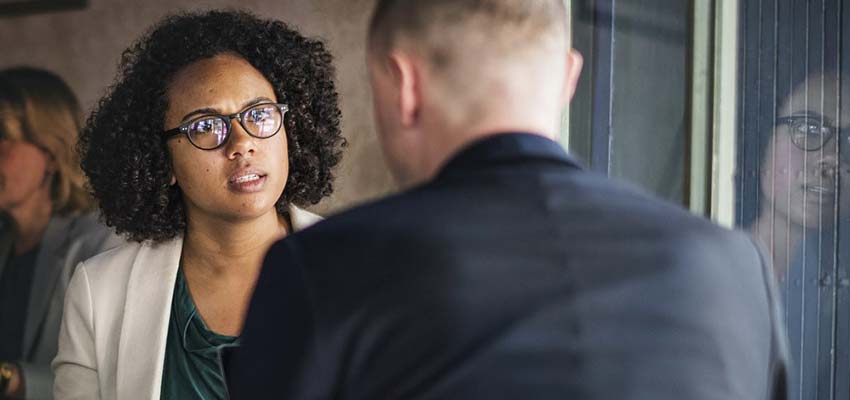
(10,8)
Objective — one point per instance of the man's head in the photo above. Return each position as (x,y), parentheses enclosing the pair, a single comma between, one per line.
(447,72)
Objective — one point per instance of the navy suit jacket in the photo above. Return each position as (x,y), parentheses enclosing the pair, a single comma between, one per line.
(514,274)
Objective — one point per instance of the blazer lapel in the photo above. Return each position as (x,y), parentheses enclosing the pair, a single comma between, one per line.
(141,347)
(48,267)
(301,219)
(8,231)
(147,311)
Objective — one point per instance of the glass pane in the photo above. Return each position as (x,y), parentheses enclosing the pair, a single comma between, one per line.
(649,97)
(794,175)
(628,118)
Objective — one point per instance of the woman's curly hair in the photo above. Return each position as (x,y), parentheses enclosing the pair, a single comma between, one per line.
(122,149)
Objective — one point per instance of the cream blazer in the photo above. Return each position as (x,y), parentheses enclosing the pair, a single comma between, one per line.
(114,328)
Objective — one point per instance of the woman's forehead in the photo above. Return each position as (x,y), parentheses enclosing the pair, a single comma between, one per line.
(223,83)
(821,96)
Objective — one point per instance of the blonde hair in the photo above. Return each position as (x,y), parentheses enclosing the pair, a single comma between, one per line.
(43,109)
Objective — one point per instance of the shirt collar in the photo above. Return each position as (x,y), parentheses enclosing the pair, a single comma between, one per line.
(507,147)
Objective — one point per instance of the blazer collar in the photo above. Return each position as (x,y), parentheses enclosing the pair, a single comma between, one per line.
(301,219)
(147,311)
(8,232)
(48,267)
(507,147)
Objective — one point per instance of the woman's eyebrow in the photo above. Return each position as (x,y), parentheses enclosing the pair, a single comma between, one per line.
(811,114)
(258,100)
(806,113)
(202,111)
(209,110)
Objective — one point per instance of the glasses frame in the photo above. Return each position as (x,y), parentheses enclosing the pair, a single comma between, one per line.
(789,120)
(183,129)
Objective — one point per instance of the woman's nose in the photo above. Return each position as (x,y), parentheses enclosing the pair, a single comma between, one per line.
(240,144)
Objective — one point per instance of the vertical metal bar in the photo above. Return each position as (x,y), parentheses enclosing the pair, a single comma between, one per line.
(700,99)
(842,261)
(748,164)
(825,23)
(725,113)
(564,138)
(603,85)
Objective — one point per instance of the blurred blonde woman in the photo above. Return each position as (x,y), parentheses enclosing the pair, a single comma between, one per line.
(46,224)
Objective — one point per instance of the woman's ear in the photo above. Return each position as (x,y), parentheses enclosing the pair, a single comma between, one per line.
(49,169)
(173,180)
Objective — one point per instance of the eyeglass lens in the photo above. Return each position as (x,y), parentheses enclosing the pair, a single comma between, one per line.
(261,121)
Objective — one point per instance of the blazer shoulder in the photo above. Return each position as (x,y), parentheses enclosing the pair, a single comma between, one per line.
(91,237)
(111,274)
(112,266)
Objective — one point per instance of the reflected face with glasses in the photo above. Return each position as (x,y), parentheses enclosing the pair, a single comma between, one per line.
(225,134)
(802,172)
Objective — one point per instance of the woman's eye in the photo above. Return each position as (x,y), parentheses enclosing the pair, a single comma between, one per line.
(259,115)
(812,128)
(206,126)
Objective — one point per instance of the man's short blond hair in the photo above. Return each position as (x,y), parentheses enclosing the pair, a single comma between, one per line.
(471,44)
(445,28)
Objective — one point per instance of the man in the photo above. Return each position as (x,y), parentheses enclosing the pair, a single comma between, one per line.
(505,271)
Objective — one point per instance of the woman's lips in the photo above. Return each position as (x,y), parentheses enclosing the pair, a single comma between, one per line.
(826,190)
(819,194)
(247,182)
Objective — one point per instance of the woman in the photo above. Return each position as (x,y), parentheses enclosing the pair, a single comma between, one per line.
(218,126)
(803,178)
(801,174)
(47,226)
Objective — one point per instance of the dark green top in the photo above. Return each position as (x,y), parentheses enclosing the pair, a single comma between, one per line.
(193,368)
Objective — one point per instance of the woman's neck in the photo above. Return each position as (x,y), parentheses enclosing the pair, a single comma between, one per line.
(780,238)
(215,247)
(221,261)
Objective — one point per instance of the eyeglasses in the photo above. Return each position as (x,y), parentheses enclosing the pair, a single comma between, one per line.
(808,133)
(211,131)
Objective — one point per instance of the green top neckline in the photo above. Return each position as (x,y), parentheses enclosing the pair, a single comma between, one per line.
(193,367)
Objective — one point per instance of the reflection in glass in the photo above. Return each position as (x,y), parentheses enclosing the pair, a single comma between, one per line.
(802,180)
(801,173)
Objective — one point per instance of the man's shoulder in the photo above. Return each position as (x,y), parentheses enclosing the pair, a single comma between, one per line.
(372,216)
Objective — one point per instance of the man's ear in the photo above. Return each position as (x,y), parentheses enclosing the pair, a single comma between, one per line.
(574,64)
(407,78)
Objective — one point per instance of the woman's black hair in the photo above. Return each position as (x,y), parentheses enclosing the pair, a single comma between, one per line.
(122,149)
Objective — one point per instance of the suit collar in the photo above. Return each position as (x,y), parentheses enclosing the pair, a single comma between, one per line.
(507,147)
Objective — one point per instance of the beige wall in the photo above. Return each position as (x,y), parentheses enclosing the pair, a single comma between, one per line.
(84,47)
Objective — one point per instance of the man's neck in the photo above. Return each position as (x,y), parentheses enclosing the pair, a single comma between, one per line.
(445,143)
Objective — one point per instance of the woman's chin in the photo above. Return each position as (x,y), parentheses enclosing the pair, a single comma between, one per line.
(245,210)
